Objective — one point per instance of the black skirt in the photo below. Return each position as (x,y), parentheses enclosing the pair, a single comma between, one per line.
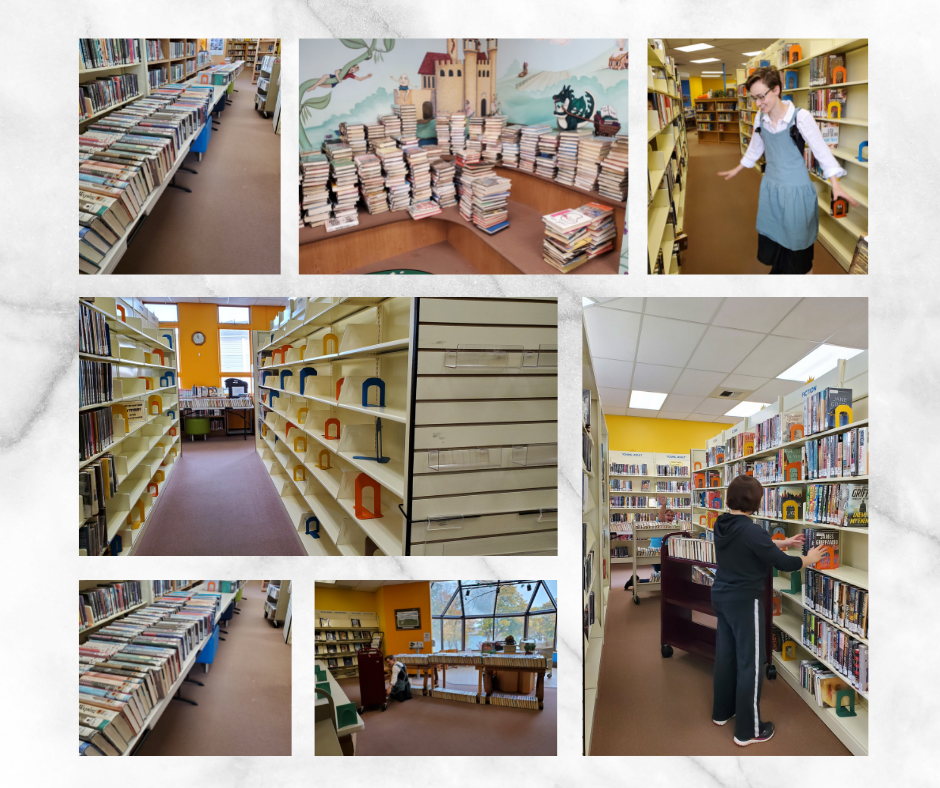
(782,260)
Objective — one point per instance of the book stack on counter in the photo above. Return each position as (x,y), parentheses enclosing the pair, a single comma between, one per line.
(614,175)
(566,239)
(434,153)
(442,183)
(354,135)
(375,134)
(475,135)
(490,198)
(469,167)
(568,145)
(419,174)
(344,183)
(465,696)
(315,194)
(391,124)
(510,140)
(458,132)
(529,145)
(409,119)
(492,143)
(513,701)
(396,180)
(547,162)
(424,209)
(371,182)
(442,129)
(93,97)
(106,600)
(591,152)
(601,230)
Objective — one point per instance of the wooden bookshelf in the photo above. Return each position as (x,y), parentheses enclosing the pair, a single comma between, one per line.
(422,350)
(667,148)
(853,542)
(268,80)
(147,452)
(340,622)
(839,236)
(596,525)
(721,115)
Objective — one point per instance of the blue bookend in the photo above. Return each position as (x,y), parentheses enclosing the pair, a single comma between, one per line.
(264,376)
(272,337)
(305,373)
(862,147)
(315,533)
(378,446)
(169,340)
(117,545)
(169,379)
(273,395)
(285,373)
(171,414)
(380,384)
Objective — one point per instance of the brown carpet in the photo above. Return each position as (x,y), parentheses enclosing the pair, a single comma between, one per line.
(231,223)
(439,258)
(433,726)
(720,216)
(220,500)
(648,705)
(245,706)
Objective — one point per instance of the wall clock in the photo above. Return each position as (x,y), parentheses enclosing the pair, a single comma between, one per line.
(199,338)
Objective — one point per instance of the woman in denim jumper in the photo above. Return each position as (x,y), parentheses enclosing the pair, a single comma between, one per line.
(788,208)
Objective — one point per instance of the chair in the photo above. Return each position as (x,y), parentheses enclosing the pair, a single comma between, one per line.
(236,388)
(238,598)
(196,426)
(226,616)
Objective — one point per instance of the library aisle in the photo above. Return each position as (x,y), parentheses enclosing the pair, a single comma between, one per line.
(471,667)
(685,403)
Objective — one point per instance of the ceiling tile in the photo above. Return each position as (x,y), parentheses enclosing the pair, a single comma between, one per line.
(729,419)
(855,334)
(698,310)
(668,342)
(820,318)
(697,382)
(611,374)
(652,377)
(613,398)
(672,414)
(718,407)
(612,333)
(700,417)
(681,402)
(745,382)
(773,356)
(722,349)
(624,304)
(642,413)
(772,389)
(753,314)
(615,411)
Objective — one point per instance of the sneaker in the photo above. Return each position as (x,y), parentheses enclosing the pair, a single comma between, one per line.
(629,584)
(723,722)
(766,734)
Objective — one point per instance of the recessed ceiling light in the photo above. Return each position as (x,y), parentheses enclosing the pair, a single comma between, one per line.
(647,400)
(713,72)
(586,302)
(694,47)
(706,60)
(751,54)
(818,362)
(743,409)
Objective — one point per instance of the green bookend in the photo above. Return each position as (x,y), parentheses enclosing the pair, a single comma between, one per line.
(319,673)
(776,573)
(325,686)
(796,582)
(345,715)
(845,711)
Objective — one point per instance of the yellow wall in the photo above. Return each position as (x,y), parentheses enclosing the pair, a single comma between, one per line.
(392,598)
(700,85)
(200,364)
(632,433)
(345,599)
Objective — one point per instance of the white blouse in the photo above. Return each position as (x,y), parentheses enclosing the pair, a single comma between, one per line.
(806,123)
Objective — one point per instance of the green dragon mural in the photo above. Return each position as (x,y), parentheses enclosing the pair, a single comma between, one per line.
(571,111)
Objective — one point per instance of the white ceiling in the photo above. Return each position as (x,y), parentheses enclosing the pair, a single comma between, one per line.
(729,51)
(215,300)
(365,585)
(688,347)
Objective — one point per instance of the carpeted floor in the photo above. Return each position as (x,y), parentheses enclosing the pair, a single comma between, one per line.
(220,500)
(231,223)
(432,726)
(245,706)
(720,216)
(648,705)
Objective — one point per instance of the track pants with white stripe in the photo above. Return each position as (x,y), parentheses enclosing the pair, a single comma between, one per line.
(740,654)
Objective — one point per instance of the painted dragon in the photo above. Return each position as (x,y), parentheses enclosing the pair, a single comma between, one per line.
(573,111)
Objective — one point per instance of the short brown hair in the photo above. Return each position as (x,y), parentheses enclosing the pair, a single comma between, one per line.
(769,75)
(745,494)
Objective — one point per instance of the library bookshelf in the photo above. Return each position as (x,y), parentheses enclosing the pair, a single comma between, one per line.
(339,623)
(265,47)
(149,590)
(269,83)
(458,397)
(839,236)
(242,49)
(144,449)
(716,120)
(853,541)
(667,157)
(596,535)
(152,72)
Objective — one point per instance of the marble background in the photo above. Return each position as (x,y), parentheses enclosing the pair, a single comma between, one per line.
(38,419)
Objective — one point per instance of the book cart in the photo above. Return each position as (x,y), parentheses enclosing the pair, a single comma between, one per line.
(851,730)
(340,623)
(144,412)
(404,426)
(681,598)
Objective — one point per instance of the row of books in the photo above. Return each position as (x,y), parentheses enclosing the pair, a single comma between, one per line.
(841,455)
(104,92)
(513,701)
(335,648)
(705,499)
(161,587)
(344,635)
(827,409)
(649,552)
(107,52)
(819,101)
(663,106)
(178,49)
(630,469)
(94,334)
(839,602)
(619,518)
(157,77)
(843,652)
(97,484)
(827,70)
(154,49)
(821,682)
(94,382)
(104,601)
(691,549)
(95,432)
(645,486)
(845,505)
(333,662)
(644,502)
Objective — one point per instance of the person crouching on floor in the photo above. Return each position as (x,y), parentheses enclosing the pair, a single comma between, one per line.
(398,687)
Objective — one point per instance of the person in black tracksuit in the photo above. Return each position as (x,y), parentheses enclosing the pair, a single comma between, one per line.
(745,553)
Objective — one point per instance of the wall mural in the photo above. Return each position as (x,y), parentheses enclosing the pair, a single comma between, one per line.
(566,82)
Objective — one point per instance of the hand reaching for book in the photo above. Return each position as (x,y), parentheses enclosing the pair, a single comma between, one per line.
(793,541)
(838,191)
(814,555)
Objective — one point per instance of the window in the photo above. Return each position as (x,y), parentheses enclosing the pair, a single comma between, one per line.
(234,350)
(458,73)
(450,72)
(166,313)
(442,72)
(513,599)
(452,639)
(441,594)
(235,314)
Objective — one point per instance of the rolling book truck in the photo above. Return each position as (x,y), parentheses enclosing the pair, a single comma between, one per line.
(371,678)
(681,597)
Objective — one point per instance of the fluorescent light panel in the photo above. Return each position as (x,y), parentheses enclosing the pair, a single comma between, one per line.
(647,400)
(694,47)
(706,60)
(751,54)
(744,409)
(818,362)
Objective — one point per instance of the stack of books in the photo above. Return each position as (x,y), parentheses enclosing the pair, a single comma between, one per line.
(510,140)
(419,174)
(344,183)
(396,182)
(492,144)
(433,152)
(424,209)
(613,178)
(529,145)
(315,196)
(490,197)
(442,183)
(601,230)
(371,182)
(568,145)
(566,239)
(442,124)
(475,135)
(354,136)
(409,119)
(591,152)
(469,168)
(458,132)
(375,133)
(391,124)
(546,163)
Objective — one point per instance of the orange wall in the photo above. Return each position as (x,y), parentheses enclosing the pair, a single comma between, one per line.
(392,598)
(200,364)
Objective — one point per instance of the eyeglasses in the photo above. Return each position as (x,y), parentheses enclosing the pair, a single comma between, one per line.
(762,96)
